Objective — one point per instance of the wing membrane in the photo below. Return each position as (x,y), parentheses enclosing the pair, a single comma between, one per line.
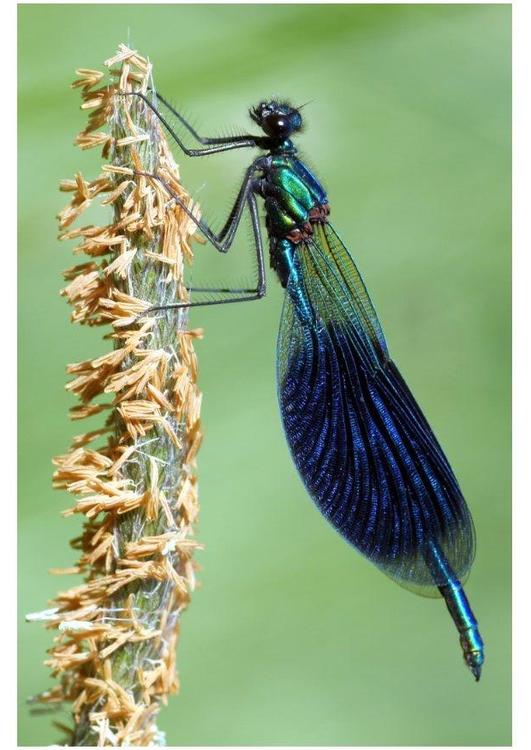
(358,438)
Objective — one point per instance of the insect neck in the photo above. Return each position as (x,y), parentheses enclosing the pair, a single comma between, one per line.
(282,147)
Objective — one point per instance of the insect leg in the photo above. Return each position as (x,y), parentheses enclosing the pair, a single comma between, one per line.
(205,140)
(218,290)
(217,145)
(222,242)
(223,239)
(258,243)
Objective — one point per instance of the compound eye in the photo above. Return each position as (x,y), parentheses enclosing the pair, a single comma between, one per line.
(296,121)
(276,125)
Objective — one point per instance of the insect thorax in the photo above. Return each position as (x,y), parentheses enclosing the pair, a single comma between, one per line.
(294,202)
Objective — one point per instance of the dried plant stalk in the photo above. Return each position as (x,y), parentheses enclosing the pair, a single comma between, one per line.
(114,655)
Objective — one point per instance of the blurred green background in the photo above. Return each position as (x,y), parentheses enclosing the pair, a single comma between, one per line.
(293,638)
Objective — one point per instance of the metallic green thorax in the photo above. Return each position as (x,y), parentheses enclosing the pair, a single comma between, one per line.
(294,201)
(293,197)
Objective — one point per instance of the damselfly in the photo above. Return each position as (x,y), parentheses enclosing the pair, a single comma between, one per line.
(359,440)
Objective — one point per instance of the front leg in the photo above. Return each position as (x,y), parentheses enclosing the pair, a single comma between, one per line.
(205,140)
(216,145)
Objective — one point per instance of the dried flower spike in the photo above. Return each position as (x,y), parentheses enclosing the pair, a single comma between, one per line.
(114,652)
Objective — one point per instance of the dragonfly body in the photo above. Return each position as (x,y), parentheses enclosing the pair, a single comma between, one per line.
(361,444)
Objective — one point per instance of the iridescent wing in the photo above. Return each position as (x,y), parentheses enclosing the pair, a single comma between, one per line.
(359,440)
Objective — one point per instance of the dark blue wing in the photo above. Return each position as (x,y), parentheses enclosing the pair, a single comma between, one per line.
(360,442)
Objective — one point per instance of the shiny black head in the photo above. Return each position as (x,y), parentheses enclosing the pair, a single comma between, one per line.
(277,119)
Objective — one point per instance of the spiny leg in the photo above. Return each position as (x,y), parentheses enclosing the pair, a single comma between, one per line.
(205,140)
(258,244)
(218,290)
(223,239)
(222,242)
(259,291)
(217,145)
